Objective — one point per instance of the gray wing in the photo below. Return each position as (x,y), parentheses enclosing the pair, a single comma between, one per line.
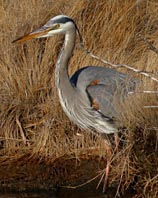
(105,87)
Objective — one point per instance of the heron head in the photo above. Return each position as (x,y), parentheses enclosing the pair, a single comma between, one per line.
(57,25)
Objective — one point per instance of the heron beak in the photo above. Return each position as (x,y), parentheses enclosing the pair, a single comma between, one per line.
(35,34)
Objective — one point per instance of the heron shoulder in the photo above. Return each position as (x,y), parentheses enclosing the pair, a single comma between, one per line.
(92,75)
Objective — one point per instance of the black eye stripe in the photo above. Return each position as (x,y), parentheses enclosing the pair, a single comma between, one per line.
(63,20)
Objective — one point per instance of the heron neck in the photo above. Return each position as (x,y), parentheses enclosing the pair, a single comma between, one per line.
(62,77)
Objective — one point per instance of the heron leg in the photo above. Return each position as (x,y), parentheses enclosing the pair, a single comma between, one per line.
(107,169)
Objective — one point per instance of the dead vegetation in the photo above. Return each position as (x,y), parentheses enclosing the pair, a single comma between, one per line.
(33,125)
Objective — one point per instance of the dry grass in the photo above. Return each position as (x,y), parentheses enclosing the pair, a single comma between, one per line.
(32,121)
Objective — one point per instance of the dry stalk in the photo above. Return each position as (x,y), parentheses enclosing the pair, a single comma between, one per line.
(21,131)
(87,182)
(146,92)
(150,45)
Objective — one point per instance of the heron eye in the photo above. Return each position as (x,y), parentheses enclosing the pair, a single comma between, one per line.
(56,26)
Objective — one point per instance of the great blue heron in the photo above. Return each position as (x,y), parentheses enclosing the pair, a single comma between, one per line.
(87,97)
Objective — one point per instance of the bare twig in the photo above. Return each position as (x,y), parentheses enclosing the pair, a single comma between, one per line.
(145,91)
(152,106)
(150,45)
(118,65)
